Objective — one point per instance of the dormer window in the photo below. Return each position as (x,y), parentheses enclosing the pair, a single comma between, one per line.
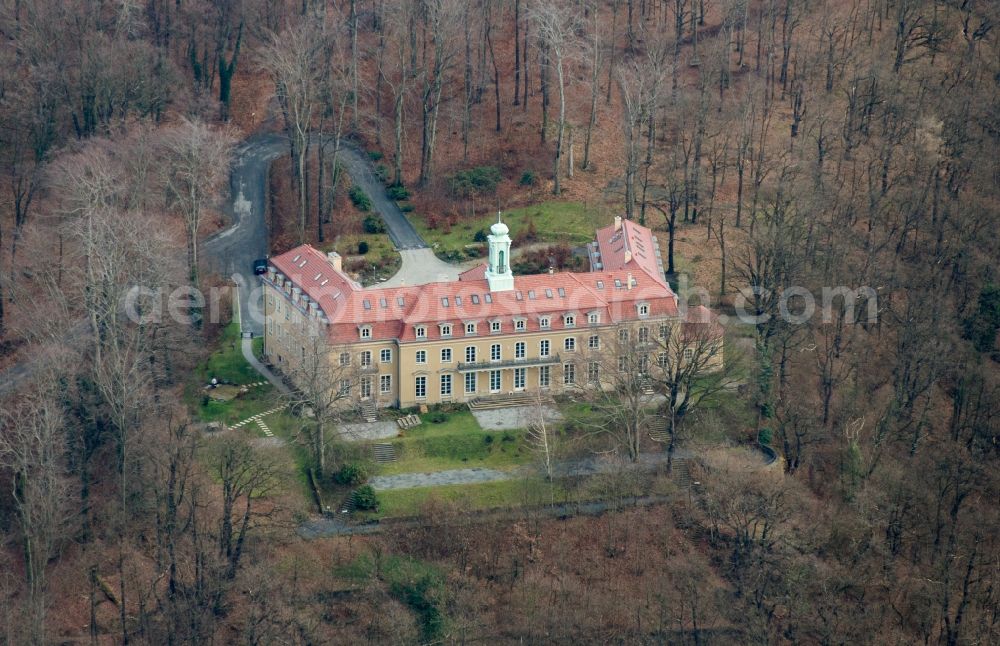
(594,318)
(470,329)
(420,331)
(569,320)
(365,331)
(495,326)
(446,329)
(520,325)
(643,309)
(544,322)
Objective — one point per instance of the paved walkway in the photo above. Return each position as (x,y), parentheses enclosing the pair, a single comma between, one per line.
(421,266)
(583,467)
(513,417)
(369,431)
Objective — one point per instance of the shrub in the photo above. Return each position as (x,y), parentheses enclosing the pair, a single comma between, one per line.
(438,418)
(397,192)
(352,473)
(527,178)
(475,252)
(381,172)
(375,155)
(365,498)
(362,247)
(406,208)
(480,236)
(472,181)
(765,436)
(373,224)
(360,199)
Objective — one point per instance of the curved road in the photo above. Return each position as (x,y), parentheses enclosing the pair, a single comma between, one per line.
(231,252)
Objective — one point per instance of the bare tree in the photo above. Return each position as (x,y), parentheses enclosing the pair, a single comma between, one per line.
(195,165)
(295,60)
(326,378)
(557,25)
(689,368)
(32,457)
(246,474)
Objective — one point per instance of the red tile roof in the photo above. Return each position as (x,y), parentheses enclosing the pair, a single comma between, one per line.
(395,312)
(630,247)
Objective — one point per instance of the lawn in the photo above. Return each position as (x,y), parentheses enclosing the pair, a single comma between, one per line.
(456,441)
(555,222)
(381,260)
(487,495)
(228,365)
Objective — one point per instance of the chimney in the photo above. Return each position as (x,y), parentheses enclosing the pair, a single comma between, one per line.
(336,261)
(628,281)
(296,292)
(618,223)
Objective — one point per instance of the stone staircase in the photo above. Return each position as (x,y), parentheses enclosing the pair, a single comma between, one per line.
(647,386)
(681,473)
(506,401)
(348,505)
(658,430)
(384,452)
(368,410)
(408,422)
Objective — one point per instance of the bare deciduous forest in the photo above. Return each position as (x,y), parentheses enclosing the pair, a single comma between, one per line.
(772,145)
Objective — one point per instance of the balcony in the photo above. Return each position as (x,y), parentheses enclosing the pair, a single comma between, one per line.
(551,360)
(368,368)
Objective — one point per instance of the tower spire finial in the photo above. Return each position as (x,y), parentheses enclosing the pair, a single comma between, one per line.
(498,216)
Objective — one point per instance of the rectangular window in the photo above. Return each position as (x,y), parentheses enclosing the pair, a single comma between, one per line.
(421,356)
(622,364)
(421,332)
(644,335)
(385,384)
(594,342)
(644,310)
(688,354)
(664,332)
(495,326)
(543,377)
(661,359)
(385,356)
(570,320)
(569,374)
(470,382)
(623,336)
(445,355)
(470,328)
(470,354)
(494,381)
(569,345)
(594,372)
(345,358)
(543,348)
(446,385)
(519,350)
(345,387)
(543,322)
(495,352)
(366,358)
(519,378)
(420,387)
(643,365)
(366,333)
(366,387)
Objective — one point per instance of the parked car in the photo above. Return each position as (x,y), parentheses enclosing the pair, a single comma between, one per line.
(260,266)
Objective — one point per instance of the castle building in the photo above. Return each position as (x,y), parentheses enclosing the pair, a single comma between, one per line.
(489,332)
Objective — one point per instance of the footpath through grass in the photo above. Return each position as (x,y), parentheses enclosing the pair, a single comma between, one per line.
(571,223)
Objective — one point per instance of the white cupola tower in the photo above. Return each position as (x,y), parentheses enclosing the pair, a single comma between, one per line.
(498,271)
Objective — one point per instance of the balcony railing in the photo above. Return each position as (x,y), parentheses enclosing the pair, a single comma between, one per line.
(551,360)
